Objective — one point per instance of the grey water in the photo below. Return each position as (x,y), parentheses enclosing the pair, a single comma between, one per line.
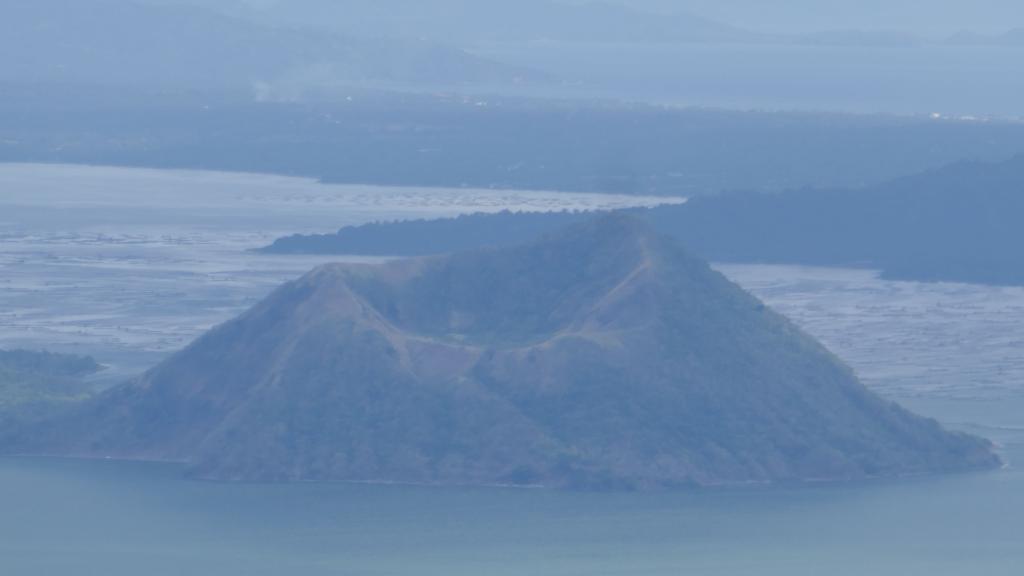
(121,519)
(109,262)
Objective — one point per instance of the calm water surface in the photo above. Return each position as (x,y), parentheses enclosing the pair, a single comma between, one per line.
(73,517)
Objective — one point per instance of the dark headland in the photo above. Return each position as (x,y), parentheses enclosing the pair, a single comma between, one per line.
(960,223)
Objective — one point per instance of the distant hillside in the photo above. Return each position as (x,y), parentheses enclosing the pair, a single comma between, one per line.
(470,22)
(184,48)
(483,22)
(602,356)
(959,223)
(380,137)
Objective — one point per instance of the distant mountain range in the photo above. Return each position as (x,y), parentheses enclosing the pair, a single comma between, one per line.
(958,223)
(186,48)
(302,50)
(473,22)
(286,50)
(602,356)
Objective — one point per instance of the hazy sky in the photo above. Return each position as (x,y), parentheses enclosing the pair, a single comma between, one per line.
(921,16)
(926,17)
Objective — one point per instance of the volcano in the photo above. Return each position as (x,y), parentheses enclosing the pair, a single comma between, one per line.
(602,356)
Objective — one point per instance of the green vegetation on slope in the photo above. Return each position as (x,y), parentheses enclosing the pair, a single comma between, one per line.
(35,385)
(29,377)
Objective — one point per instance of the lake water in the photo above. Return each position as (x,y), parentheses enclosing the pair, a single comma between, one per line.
(129,265)
(124,519)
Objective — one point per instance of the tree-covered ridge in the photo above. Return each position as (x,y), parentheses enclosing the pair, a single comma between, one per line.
(959,223)
(46,363)
(426,237)
(34,382)
(603,355)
